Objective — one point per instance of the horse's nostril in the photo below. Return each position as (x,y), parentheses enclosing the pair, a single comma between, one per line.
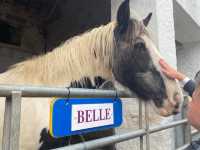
(177,106)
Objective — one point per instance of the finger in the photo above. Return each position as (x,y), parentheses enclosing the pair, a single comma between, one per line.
(163,64)
(161,60)
(167,74)
(164,71)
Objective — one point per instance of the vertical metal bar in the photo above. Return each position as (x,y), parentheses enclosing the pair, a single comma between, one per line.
(186,127)
(11,129)
(182,133)
(7,123)
(147,126)
(140,124)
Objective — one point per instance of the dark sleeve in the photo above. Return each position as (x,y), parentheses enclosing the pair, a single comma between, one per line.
(189,87)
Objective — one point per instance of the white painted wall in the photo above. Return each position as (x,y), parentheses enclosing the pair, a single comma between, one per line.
(192,9)
(187,29)
(166,34)
(189,58)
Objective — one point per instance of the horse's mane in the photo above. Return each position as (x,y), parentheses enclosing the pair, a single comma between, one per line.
(88,54)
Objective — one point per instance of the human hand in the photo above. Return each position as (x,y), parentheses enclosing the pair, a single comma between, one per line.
(171,72)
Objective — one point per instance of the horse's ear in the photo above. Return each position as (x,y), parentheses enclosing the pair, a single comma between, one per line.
(123,16)
(147,19)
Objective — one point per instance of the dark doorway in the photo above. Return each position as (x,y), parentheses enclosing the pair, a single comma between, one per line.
(77,16)
(9,34)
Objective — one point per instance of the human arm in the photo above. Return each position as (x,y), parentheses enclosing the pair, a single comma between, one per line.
(193,112)
(170,72)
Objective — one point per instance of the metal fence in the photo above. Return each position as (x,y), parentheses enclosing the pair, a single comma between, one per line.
(14,94)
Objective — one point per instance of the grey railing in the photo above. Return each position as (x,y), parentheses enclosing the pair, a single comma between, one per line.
(14,94)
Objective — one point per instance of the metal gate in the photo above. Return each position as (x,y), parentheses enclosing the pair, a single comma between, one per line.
(14,94)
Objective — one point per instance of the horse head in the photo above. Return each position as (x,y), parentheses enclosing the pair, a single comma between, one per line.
(135,63)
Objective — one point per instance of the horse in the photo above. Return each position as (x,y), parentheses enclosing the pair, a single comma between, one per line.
(121,51)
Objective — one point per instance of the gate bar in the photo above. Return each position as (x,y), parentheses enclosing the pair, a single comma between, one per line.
(147,126)
(141,124)
(11,127)
(120,137)
(42,91)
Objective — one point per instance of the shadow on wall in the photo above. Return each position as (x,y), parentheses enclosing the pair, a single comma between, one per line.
(9,57)
(77,16)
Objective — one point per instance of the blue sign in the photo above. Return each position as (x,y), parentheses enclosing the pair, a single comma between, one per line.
(81,115)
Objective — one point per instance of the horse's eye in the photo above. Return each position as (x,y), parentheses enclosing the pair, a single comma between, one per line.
(139,46)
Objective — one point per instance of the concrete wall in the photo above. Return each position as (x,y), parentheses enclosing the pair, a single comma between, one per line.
(192,8)
(187,27)
(166,31)
(185,22)
(188,56)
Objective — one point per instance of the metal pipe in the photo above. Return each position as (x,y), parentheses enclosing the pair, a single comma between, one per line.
(104,141)
(140,124)
(167,126)
(119,137)
(42,91)
(183,147)
(11,127)
(195,132)
(195,135)
(147,126)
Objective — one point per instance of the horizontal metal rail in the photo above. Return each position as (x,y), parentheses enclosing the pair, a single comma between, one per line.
(194,133)
(42,91)
(183,147)
(120,137)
